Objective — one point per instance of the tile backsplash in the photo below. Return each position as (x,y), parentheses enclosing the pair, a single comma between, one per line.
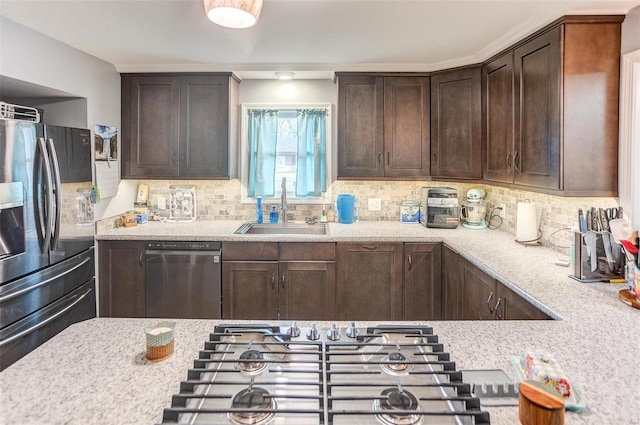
(221,199)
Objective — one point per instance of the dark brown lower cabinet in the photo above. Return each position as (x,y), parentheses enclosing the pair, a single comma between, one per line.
(121,278)
(514,307)
(307,290)
(285,281)
(369,281)
(422,281)
(250,290)
(471,294)
(451,285)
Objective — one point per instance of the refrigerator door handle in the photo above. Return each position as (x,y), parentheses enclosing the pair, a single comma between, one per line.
(44,218)
(53,157)
(47,320)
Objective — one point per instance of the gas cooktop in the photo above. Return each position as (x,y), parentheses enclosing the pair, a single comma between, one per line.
(262,374)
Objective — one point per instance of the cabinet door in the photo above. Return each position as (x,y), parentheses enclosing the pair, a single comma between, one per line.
(151,133)
(456,133)
(204,126)
(250,290)
(369,281)
(422,281)
(307,290)
(478,292)
(360,126)
(79,155)
(514,307)
(121,278)
(452,287)
(406,126)
(537,102)
(499,110)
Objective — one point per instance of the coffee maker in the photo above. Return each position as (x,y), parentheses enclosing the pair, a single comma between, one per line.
(474,209)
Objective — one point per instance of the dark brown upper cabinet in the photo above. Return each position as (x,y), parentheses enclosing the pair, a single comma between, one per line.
(179,126)
(383,126)
(456,116)
(551,109)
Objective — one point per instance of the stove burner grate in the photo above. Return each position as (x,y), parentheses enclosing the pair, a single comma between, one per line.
(255,400)
(393,405)
(393,364)
(252,362)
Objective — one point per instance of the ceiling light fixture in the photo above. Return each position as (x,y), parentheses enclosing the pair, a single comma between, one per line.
(284,75)
(233,13)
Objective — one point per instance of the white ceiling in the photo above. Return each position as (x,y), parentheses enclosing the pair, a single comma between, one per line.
(313,38)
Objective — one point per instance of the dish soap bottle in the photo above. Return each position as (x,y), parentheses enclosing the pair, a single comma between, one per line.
(273,216)
(330,214)
(259,209)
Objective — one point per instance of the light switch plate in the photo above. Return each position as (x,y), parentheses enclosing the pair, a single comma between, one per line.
(375,204)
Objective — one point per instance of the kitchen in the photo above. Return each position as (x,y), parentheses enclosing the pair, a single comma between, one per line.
(103,105)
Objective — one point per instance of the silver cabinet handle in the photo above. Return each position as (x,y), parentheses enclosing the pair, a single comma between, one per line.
(47,320)
(273,281)
(496,309)
(282,280)
(489,302)
(508,160)
(388,158)
(370,248)
(140,258)
(379,158)
(410,262)
(515,161)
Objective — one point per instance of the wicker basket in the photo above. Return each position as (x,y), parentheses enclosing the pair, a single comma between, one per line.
(160,341)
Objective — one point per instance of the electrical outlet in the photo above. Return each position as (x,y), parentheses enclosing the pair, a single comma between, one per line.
(503,210)
(375,204)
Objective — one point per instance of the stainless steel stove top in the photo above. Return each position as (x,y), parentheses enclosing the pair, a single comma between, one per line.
(262,374)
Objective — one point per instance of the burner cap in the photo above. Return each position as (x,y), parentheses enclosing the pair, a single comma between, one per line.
(251,362)
(255,398)
(393,364)
(392,406)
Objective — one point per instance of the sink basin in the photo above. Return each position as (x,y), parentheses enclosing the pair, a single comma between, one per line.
(282,229)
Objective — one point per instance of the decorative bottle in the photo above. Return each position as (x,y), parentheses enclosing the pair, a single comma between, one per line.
(259,209)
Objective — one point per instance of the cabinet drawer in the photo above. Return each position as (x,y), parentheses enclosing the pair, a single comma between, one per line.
(252,251)
(297,251)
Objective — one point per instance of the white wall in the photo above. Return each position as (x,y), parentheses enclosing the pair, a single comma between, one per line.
(31,56)
(631,31)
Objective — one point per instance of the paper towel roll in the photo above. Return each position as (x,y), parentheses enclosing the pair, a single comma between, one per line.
(528,222)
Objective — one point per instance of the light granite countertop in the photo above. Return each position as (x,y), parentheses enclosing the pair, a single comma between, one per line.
(95,372)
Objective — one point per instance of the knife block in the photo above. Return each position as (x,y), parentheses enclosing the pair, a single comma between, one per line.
(582,263)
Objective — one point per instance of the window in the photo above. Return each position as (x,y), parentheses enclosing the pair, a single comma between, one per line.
(285,142)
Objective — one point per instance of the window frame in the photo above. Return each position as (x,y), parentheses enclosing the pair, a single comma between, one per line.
(244,163)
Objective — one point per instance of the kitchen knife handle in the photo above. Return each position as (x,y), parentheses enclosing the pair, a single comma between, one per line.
(489,302)
(507,160)
(410,262)
(515,161)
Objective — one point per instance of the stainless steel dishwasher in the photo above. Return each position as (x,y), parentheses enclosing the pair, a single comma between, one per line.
(183,280)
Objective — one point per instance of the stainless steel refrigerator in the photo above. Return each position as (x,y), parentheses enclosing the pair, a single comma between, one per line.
(47,269)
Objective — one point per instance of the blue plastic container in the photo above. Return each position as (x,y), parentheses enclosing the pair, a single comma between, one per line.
(346,207)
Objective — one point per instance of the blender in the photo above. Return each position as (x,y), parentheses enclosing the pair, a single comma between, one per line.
(474,209)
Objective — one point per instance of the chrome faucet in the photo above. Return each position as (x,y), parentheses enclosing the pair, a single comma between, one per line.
(283,200)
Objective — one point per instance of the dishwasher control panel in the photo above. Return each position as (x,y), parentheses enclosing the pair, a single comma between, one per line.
(185,246)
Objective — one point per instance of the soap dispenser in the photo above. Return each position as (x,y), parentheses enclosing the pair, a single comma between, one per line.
(273,216)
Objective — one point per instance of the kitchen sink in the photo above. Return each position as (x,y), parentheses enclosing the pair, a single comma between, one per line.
(282,229)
